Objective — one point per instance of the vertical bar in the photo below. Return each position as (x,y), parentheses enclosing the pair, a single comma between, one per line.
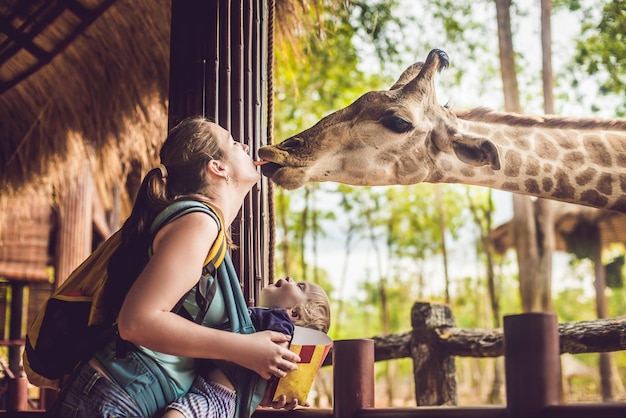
(212,54)
(257,100)
(532,363)
(353,376)
(17,384)
(225,52)
(192,67)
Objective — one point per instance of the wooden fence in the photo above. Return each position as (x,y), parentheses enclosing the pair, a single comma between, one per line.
(531,344)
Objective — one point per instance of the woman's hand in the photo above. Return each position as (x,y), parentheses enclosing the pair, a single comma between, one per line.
(266,353)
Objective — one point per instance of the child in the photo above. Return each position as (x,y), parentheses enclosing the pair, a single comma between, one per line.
(285,304)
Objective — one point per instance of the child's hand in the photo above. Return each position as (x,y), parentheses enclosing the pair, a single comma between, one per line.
(281,403)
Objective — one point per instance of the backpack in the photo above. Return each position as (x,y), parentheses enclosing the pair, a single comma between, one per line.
(72,325)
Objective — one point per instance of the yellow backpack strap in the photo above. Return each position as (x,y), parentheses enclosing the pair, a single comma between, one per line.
(218,250)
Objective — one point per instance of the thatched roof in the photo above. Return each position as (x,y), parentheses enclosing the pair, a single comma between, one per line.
(98,90)
(572,224)
(87,79)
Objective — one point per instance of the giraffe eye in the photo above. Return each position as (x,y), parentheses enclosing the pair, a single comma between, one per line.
(397,124)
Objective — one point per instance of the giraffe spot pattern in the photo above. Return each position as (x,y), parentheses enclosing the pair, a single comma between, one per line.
(510,186)
(532,186)
(468,171)
(512,164)
(521,143)
(619,205)
(605,184)
(548,184)
(548,168)
(573,160)
(436,176)
(597,153)
(564,141)
(586,176)
(532,166)
(564,189)
(593,198)
(620,160)
(499,138)
(622,183)
(618,146)
(446,165)
(545,148)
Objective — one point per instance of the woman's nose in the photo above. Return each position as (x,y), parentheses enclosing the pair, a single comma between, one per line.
(246,148)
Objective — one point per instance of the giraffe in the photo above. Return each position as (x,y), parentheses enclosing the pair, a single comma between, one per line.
(404,136)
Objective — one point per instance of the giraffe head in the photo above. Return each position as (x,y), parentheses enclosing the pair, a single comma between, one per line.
(395,136)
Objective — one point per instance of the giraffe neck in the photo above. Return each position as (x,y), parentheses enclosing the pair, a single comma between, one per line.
(572,160)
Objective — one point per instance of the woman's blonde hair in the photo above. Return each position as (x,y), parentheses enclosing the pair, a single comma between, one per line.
(314,312)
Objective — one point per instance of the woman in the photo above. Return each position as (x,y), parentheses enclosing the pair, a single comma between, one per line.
(149,275)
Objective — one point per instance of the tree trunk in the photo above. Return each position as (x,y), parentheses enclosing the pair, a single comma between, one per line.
(545,208)
(605,360)
(525,238)
(507,57)
(546,46)
(495,394)
(442,241)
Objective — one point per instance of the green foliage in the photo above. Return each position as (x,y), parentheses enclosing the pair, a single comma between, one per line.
(601,49)
(350,54)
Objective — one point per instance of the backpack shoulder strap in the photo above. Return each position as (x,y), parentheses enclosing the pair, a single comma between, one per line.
(206,288)
(216,254)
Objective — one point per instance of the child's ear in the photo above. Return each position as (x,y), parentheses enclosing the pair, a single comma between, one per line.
(293,313)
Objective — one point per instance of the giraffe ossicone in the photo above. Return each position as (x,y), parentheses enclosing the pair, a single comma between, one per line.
(404,136)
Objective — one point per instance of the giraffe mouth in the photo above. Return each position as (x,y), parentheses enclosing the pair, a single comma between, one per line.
(269,169)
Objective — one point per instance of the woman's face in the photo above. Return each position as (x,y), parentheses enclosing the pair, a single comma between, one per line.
(241,168)
(284,294)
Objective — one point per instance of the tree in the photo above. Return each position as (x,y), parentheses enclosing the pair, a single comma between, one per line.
(601,48)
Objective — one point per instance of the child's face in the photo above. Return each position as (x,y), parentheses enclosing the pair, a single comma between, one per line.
(284,294)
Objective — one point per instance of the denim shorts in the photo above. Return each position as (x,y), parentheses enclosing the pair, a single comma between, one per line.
(90,395)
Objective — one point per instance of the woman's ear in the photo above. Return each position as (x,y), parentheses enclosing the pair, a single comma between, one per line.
(215,167)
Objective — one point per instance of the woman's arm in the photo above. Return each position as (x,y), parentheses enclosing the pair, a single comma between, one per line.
(145,318)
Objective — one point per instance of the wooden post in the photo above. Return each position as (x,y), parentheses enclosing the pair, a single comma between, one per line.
(17,394)
(17,386)
(75,226)
(434,370)
(532,363)
(353,376)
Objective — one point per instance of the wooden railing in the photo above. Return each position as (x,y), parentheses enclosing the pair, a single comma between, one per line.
(530,343)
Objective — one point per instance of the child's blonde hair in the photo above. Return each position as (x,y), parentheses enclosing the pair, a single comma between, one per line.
(315,311)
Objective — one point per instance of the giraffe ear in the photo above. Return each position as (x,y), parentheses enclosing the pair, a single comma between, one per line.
(476,151)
